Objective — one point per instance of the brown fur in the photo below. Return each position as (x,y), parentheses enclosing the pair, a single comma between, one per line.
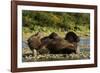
(57,45)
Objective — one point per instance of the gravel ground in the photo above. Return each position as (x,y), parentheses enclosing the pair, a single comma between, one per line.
(84,54)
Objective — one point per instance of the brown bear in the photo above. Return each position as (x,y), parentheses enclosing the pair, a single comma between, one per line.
(57,45)
(74,39)
(35,44)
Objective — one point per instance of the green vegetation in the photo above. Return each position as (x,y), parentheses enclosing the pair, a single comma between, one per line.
(59,22)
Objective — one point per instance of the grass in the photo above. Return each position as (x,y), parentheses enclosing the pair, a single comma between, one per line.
(84,32)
